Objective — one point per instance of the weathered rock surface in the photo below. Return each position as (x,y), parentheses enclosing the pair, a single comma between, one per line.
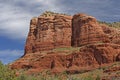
(87,58)
(86,30)
(112,33)
(113,69)
(96,44)
(49,32)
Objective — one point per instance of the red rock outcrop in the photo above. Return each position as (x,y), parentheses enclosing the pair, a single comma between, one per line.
(96,44)
(113,69)
(87,58)
(86,30)
(112,33)
(49,32)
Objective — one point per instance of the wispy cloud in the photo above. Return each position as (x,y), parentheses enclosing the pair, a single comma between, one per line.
(104,10)
(53,5)
(16,14)
(7,56)
(13,22)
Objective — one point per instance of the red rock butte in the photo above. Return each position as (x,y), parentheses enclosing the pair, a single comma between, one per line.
(49,32)
(59,42)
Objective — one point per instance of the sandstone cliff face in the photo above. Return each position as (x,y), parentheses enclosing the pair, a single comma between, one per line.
(112,33)
(86,30)
(47,33)
(86,58)
(96,44)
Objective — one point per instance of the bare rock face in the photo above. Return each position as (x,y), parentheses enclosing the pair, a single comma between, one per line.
(31,36)
(49,32)
(86,30)
(112,33)
(86,58)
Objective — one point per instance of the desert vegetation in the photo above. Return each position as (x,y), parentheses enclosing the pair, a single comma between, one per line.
(111,24)
(7,74)
(50,13)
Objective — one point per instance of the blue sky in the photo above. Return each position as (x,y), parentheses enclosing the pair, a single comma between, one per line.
(15,16)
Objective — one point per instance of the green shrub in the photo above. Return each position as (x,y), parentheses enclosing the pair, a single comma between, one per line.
(98,77)
(112,24)
(88,78)
(6,73)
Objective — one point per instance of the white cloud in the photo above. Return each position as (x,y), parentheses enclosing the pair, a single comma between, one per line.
(16,14)
(52,5)
(7,56)
(13,22)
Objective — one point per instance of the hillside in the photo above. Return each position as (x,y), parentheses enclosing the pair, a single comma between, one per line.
(72,44)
